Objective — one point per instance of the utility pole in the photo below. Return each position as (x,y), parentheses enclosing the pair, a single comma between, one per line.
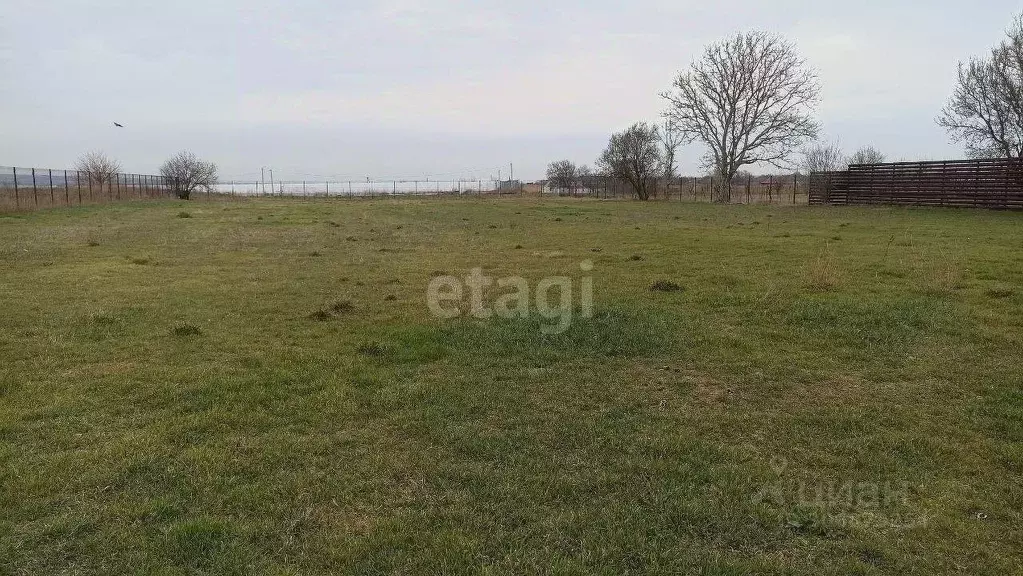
(271,181)
(262,178)
(511,168)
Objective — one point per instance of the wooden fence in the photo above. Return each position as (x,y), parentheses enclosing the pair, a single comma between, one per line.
(990,183)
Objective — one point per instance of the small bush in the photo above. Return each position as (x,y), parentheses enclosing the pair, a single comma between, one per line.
(141,261)
(635,258)
(184,215)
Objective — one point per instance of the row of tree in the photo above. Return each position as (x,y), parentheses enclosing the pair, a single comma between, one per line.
(750,101)
(184,173)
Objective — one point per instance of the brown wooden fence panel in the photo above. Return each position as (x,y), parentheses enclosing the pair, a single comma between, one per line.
(989,183)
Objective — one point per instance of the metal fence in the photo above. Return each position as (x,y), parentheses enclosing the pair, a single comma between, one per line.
(790,189)
(27,188)
(366,188)
(30,188)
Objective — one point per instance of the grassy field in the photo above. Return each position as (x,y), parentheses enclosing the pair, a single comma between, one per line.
(259,387)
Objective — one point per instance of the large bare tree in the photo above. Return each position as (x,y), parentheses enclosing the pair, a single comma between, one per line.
(185,173)
(634,155)
(749,99)
(985,113)
(671,138)
(562,175)
(97,167)
(867,155)
(822,157)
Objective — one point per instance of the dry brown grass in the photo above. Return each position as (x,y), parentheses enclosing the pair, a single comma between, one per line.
(823,274)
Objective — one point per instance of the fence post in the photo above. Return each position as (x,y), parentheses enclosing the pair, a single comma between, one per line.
(749,184)
(67,190)
(17,201)
(50,171)
(1005,190)
(795,183)
(90,187)
(35,189)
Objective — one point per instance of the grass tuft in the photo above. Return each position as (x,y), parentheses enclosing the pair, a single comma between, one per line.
(371,348)
(184,330)
(823,272)
(999,293)
(665,286)
(338,308)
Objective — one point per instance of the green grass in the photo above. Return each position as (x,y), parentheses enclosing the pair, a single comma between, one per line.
(260,388)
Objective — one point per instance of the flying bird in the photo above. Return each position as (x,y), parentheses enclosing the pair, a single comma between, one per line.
(118,125)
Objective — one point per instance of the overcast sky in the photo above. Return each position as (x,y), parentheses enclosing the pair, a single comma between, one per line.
(442,88)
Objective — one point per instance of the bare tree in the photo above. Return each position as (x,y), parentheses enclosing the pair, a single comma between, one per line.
(671,138)
(185,173)
(97,167)
(588,179)
(634,156)
(985,112)
(749,99)
(822,157)
(562,174)
(866,155)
